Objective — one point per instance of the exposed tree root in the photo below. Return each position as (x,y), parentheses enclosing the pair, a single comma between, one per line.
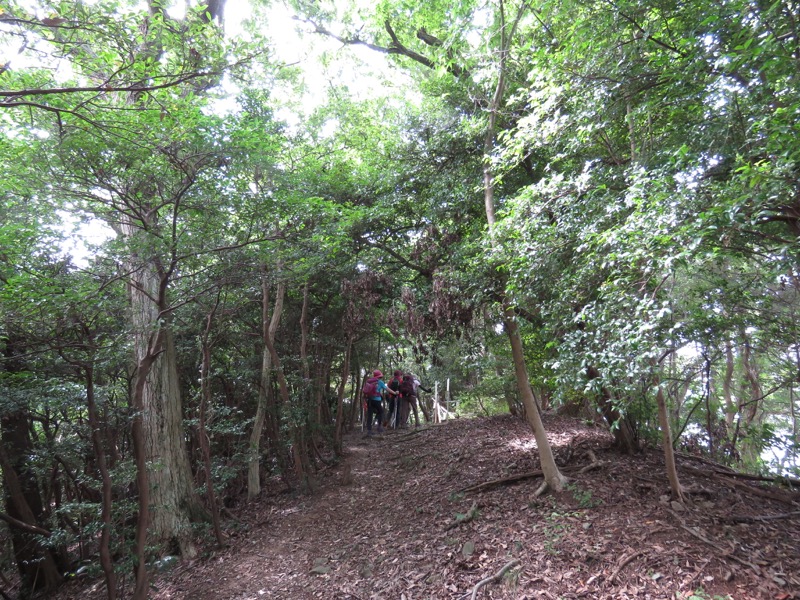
(541,489)
(784,497)
(496,577)
(595,464)
(624,563)
(709,542)
(746,519)
(404,437)
(719,469)
(502,481)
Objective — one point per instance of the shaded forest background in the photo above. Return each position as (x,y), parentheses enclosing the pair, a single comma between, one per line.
(590,207)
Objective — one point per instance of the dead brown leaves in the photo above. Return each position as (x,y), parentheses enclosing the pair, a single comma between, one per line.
(380,528)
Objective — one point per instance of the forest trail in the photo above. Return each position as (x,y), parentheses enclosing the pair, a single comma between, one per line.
(383,524)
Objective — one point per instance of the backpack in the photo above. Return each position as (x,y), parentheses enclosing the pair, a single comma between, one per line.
(394,385)
(370,388)
(407,387)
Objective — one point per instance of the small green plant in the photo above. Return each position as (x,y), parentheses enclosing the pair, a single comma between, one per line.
(511,579)
(554,530)
(700,594)
(583,497)
(408,461)
(456,496)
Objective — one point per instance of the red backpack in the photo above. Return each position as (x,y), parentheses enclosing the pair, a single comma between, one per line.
(370,388)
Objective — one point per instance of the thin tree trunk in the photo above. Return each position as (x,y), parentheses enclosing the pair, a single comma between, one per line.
(624,436)
(269,328)
(552,476)
(752,376)
(205,402)
(355,397)
(710,413)
(324,390)
(666,441)
(143,366)
(631,130)
(37,565)
(304,337)
(299,450)
(106,561)
(337,437)
(727,384)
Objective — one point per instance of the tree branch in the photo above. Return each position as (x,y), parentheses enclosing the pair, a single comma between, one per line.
(396,46)
(104,88)
(24,526)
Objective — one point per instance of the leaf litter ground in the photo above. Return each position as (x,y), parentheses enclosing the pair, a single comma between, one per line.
(392,520)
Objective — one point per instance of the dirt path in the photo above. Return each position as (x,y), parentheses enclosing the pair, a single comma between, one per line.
(385,524)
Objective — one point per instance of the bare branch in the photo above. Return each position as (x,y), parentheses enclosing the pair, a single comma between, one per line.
(104,88)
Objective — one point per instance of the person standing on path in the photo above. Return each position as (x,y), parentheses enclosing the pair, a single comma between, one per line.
(417,387)
(373,389)
(409,401)
(392,418)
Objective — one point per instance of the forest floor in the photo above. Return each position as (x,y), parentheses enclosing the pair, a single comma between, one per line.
(395,519)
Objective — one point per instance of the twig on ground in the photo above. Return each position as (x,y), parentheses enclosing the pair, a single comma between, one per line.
(496,577)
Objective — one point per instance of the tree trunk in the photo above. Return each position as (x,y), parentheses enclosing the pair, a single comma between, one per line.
(205,402)
(624,436)
(38,567)
(552,476)
(666,441)
(752,376)
(173,503)
(730,406)
(299,449)
(355,396)
(269,328)
(106,561)
(749,410)
(142,476)
(337,437)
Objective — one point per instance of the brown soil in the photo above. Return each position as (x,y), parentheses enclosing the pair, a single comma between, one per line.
(392,521)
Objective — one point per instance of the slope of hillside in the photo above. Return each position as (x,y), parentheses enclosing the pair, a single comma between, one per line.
(396,520)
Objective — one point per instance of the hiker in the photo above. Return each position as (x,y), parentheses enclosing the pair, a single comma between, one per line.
(418,386)
(372,390)
(394,404)
(409,400)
